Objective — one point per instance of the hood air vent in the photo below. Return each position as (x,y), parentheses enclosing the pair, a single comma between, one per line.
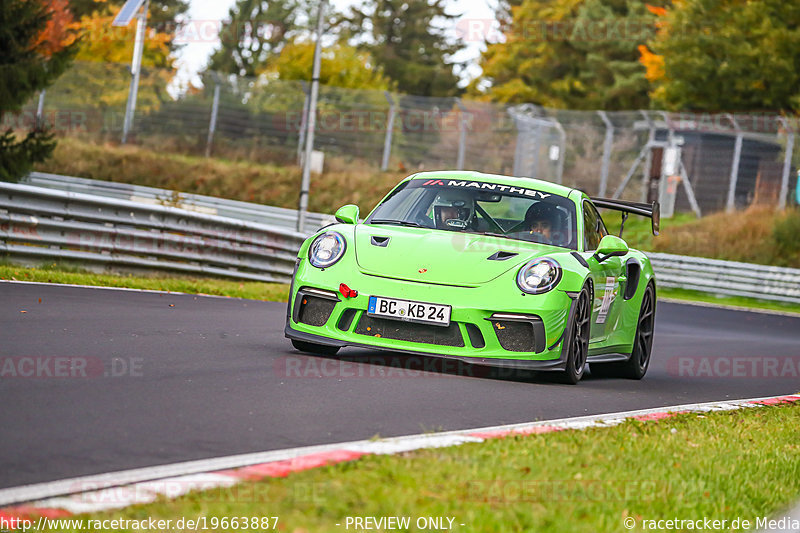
(501,256)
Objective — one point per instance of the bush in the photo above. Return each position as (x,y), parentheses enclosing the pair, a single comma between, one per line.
(786,236)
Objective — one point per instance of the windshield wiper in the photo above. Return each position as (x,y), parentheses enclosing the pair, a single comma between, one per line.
(502,235)
(397,222)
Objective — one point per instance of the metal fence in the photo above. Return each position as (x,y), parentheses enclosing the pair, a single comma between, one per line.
(699,162)
(104,226)
(39,224)
(730,278)
(278,217)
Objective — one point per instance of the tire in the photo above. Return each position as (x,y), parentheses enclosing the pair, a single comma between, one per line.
(577,338)
(310,347)
(636,366)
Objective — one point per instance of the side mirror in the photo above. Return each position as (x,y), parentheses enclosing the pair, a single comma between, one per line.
(347,214)
(611,246)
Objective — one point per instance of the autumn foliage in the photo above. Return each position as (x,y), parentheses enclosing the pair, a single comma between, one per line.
(58,33)
(37,41)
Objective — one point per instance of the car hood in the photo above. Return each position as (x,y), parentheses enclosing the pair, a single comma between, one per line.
(441,257)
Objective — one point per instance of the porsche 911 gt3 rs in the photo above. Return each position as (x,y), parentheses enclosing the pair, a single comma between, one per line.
(489,269)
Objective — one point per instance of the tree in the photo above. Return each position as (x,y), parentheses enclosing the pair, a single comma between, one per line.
(726,55)
(407,40)
(341,65)
(162,16)
(105,43)
(37,46)
(577,55)
(255,33)
(100,78)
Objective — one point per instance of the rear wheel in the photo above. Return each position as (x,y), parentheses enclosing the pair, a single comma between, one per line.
(577,339)
(636,366)
(311,347)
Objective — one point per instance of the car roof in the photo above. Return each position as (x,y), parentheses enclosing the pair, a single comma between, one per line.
(471,175)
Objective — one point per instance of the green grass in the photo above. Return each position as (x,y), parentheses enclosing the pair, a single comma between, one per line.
(759,234)
(262,182)
(59,273)
(734,301)
(724,465)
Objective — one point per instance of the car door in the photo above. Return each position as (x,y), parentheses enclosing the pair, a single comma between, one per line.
(607,277)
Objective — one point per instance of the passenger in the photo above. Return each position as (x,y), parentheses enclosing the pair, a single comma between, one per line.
(543,219)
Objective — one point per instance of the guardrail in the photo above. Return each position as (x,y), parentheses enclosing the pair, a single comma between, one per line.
(264,214)
(727,277)
(101,223)
(45,224)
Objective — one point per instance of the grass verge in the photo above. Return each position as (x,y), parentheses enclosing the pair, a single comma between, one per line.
(722,466)
(265,183)
(732,301)
(278,292)
(55,273)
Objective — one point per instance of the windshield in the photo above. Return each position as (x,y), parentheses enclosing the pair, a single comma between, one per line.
(478,207)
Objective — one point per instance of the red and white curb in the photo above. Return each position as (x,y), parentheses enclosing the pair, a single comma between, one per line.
(115,490)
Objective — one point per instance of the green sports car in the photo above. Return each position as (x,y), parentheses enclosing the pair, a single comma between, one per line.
(489,269)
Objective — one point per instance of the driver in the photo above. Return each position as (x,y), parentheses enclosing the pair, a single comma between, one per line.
(454,206)
(543,218)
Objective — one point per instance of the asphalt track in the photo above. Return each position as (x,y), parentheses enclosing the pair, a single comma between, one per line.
(111,380)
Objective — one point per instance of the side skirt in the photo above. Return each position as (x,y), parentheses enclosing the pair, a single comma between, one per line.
(609,357)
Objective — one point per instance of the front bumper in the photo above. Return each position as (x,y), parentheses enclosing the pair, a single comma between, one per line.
(493,324)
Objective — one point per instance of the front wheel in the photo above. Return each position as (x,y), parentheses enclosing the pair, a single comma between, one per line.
(577,339)
(636,366)
(311,347)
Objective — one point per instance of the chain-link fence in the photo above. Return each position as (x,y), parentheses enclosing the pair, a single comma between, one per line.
(699,162)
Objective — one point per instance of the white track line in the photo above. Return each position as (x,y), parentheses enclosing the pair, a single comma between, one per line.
(94,485)
(729,306)
(128,289)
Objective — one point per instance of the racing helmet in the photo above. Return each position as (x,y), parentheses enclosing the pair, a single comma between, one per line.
(462,202)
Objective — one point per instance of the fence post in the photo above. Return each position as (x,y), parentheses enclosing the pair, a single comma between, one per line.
(737,154)
(40,109)
(312,115)
(462,134)
(301,141)
(607,144)
(519,146)
(787,163)
(562,148)
(136,68)
(212,126)
(534,173)
(648,161)
(387,141)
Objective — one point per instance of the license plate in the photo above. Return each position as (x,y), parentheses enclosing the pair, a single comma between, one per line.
(410,311)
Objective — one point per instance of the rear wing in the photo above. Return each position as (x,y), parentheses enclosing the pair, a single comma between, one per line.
(651,211)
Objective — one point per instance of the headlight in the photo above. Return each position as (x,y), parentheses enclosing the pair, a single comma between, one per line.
(539,275)
(326,249)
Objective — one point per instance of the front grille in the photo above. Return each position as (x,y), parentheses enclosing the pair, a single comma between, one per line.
(515,336)
(410,331)
(314,311)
